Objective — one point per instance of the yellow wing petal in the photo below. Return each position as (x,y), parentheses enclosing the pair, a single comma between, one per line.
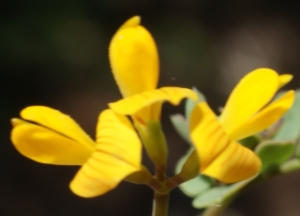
(253,92)
(46,146)
(265,118)
(131,105)
(118,154)
(220,157)
(134,58)
(57,121)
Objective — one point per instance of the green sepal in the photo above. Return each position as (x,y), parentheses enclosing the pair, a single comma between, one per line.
(273,154)
(196,185)
(218,195)
(154,142)
(190,104)
(181,126)
(290,129)
(142,176)
(251,142)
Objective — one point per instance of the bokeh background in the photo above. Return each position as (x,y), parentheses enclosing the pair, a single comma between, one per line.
(54,53)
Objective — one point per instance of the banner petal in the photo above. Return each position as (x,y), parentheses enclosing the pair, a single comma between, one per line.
(220,156)
(118,154)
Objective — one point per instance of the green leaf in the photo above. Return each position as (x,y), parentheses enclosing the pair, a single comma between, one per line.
(190,104)
(181,126)
(274,153)
(290,129)
(196,185)
(217,195)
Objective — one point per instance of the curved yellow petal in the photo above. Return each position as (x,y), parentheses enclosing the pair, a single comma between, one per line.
(220,157)
(253,92)
(134,58)
(131,105)
(118,154)
(284,79)
(265,118)
(58,122)
(46,146)
(236,163)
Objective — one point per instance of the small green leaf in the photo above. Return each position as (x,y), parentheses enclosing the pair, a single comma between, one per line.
(217,195)
(214,196)
(196,185)
(290,129)
(181,126)
(190,104)
(274,153)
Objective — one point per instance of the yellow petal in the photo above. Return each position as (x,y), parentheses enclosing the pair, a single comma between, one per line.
(57,121)
(265,118)
(220,157)
(235,163)
(46,146)
(118,154)
(134,58)
(284,79)
(131,105)
(253,92)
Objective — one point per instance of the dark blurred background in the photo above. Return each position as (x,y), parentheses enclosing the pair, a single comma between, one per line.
(54,53)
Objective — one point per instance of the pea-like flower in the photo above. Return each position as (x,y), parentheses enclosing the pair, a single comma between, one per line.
(134,61)
(246,112)
(48,136)
(55,138)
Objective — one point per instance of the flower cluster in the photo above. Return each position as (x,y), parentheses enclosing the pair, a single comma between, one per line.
(48,136)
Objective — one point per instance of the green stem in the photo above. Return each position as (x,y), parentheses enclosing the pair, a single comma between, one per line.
(214,211)
(160,204)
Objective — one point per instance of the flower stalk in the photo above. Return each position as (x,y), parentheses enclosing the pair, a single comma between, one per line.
(160,204)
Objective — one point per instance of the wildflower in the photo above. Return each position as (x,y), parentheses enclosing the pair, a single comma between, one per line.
(55,138)
(246,112)
(49,136)
(134,61)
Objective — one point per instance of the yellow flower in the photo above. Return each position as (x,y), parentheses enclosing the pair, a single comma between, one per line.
(246,112)
(55,138)
(134,61)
